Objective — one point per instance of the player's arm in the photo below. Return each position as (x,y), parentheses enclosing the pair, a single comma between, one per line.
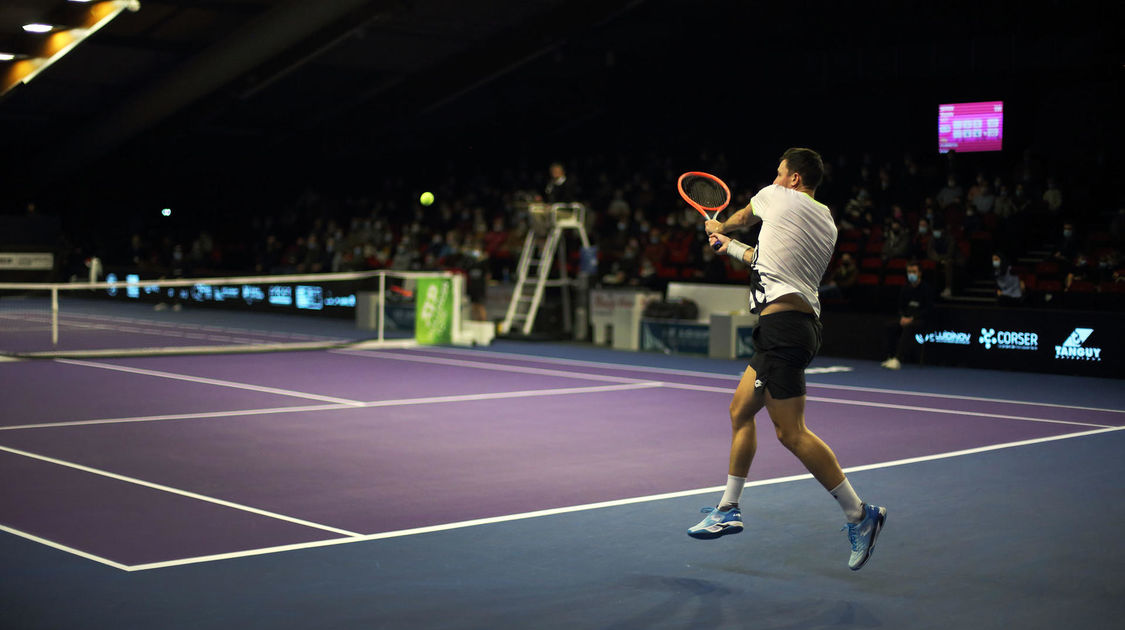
(740,219)
(735,249)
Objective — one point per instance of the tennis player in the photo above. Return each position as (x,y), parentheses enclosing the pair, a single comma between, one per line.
(794,248)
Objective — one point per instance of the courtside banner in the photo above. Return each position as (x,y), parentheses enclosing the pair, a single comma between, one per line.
(27,261)
(433,314)
(1089,343)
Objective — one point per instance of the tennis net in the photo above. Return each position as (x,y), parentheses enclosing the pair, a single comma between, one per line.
(135,316)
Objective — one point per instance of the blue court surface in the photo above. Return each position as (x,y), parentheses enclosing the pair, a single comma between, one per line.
(544,486)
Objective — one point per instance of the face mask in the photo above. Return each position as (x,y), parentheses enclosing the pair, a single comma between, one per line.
(1067,233)
(922,230)
(937,233)
(996,264)
(912,277)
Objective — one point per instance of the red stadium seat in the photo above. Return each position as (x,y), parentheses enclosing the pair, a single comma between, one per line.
(927,264)
(1047,267)
(897,263)
(1049,286)
(871,263)
(867,279)
(894,280)
(850,247)
(1082,286)
(874,247)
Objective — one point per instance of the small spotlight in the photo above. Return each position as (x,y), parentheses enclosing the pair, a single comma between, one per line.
(167,212)
(6,56)
(38,28)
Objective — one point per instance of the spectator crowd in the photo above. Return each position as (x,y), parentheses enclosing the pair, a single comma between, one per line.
(1014,234)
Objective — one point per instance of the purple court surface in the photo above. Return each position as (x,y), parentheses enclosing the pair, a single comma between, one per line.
(541,486)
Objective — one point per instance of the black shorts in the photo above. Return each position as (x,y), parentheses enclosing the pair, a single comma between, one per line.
(784,345)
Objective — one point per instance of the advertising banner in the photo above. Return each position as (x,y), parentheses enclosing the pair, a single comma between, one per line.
(433,315)
(674,336)
(1058,341)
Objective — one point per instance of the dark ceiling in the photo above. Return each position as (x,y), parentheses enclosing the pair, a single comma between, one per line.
(180,85)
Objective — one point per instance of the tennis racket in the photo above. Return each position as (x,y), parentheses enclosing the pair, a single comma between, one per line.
(706,193)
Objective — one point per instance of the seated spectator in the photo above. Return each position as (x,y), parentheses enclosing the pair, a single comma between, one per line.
(952,193)
(1080,270)
(1068,247)
(1005,206)
(914,304)
(896,242)
(842,278)
(920,242)
(1053,196)
(943,250)
(984,201)
(1009,287)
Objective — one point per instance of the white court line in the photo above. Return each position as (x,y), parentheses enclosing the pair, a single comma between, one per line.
(642,368)
(211,381)
(171,490)
(525,393)
(71,550)
(501,367)
(600,505)
(866,403)
(178,416)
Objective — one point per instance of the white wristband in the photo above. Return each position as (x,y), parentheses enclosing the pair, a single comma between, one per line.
(736,249)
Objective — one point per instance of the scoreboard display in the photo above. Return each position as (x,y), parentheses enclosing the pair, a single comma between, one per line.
(967,127)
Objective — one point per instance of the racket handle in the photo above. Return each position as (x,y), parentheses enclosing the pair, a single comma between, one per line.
(716,245)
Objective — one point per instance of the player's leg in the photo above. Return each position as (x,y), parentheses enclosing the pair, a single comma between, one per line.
(727,517)
(798,341)
(865,522)
(745,404)
(788,417)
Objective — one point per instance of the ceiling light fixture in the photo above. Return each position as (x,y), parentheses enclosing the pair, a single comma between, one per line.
(35,27)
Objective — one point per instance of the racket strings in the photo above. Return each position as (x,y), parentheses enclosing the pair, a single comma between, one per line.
(705,192)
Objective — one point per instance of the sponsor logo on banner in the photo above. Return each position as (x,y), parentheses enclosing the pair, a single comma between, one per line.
(1073,347)
(945,336)
(433,315)
(1008,339)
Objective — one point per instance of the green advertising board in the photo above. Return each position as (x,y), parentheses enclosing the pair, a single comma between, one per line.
(433,311)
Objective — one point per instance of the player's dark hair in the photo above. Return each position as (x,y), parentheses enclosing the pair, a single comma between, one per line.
(807,164)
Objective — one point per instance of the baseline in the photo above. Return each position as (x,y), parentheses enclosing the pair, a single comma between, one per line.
(600,505)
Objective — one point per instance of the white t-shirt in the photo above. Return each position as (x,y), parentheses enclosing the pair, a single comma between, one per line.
(794,248)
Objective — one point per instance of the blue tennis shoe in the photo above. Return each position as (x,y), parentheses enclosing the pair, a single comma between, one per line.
(717,523)
(863,534)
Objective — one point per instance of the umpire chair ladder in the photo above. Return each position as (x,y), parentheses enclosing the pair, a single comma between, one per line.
(545,239)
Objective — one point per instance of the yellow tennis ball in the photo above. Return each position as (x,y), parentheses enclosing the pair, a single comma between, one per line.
(426,199)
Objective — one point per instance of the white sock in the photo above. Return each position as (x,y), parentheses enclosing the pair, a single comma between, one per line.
(849,501)
(733,492)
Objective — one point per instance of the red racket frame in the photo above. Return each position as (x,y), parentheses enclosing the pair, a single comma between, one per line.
(707,212)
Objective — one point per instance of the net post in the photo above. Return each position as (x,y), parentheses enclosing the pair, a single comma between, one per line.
(382,302)
(54,316)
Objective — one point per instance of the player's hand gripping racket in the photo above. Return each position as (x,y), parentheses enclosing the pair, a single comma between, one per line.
(706,193)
